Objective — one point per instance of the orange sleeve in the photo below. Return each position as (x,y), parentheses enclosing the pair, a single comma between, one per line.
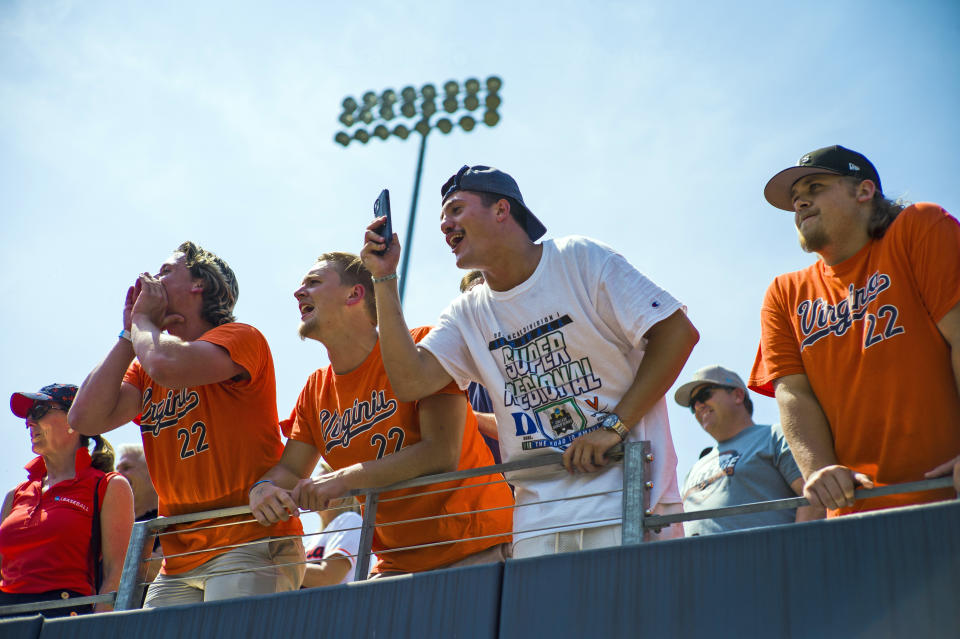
(244,343)
(134,375)
(934,251)
(304,415)
(286,425)
(778,354)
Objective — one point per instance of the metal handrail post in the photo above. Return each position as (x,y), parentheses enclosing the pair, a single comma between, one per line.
(366,535)
(636,496)
(130,590)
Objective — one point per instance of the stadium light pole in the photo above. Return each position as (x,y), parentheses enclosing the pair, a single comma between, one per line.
(370,116)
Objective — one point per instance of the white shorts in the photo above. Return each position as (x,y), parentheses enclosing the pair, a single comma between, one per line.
(590,538)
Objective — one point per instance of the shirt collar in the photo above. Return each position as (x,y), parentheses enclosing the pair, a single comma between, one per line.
(37,468)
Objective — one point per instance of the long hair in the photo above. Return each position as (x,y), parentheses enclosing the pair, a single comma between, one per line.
(220,288)
(102,458)
(885,211)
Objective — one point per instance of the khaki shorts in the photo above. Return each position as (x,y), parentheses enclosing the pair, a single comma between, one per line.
(590,538)
(264,574)
(493,554)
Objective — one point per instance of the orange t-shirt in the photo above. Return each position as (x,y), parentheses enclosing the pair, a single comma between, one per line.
(206,446)
(356,417)
(864,332)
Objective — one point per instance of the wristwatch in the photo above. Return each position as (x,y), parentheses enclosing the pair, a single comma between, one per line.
(612,422)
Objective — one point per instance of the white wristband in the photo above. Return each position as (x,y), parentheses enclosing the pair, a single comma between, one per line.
(385,278)
(125,334)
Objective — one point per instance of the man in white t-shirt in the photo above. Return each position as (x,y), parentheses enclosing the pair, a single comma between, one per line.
(575,346)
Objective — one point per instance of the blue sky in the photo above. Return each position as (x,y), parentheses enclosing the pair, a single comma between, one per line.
(653,127)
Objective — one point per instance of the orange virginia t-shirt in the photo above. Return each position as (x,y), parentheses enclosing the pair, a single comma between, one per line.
(865,334)
(356,417)
(206,446)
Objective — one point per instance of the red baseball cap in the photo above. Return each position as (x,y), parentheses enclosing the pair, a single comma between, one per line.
(62,394)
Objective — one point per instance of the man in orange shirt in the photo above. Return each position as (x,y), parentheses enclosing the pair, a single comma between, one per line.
(862,349)
(203,391)
(349,414)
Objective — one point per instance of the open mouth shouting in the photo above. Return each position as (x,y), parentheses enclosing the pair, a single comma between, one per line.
(305,309)
(454,238)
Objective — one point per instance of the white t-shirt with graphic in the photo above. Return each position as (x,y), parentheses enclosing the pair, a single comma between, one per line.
(555,353)
(341,538)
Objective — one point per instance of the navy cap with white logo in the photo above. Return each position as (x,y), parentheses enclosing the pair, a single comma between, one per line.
(60,394)
(834,159)
(487,179)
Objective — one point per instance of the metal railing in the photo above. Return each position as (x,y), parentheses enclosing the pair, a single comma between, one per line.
(638,518)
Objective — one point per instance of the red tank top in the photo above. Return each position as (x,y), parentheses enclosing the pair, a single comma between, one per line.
(45,540)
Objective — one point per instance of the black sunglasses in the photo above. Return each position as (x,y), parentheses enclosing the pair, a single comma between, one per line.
(702,395)
(39,409)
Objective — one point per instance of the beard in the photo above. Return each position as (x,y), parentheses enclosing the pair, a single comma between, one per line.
(307,327)
(813,239)
(812,242)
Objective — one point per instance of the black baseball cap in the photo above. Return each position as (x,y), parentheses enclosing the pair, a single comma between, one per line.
(60,394)
(487,179)
(830,159)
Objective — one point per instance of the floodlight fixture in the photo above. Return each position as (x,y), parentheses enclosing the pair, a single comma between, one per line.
(416,112)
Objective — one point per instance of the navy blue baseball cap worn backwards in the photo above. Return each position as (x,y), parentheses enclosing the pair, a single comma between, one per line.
(830,159)
(487,179)
(59,394)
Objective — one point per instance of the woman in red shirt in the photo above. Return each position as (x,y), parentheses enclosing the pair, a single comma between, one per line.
(47,530)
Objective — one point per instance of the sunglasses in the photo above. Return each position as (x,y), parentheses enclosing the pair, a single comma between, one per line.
(702,395)
(39,409)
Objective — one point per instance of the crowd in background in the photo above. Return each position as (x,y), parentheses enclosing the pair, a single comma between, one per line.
(557,345)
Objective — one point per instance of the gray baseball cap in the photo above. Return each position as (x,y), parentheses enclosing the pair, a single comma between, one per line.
(487,179)
(708,375)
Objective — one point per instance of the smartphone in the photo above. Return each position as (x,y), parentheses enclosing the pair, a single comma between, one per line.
(381,207)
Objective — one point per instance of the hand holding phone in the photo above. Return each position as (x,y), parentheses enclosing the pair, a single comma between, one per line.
(381,207)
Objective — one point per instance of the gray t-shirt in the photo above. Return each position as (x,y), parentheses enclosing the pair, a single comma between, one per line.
(755,465)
